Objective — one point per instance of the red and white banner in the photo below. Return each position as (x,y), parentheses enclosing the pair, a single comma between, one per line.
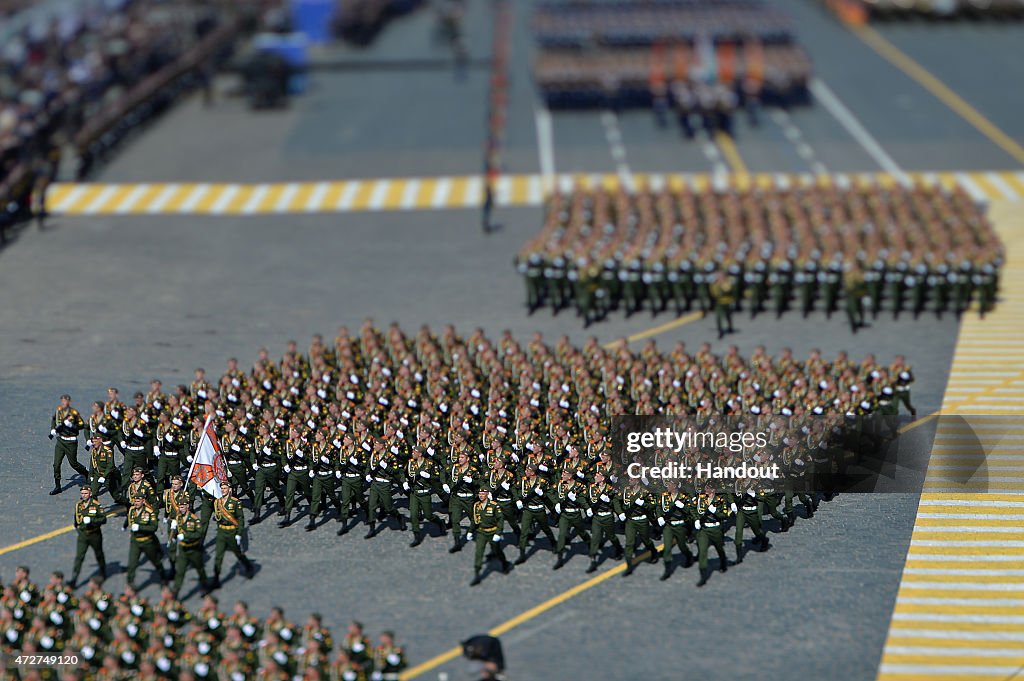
(208,470)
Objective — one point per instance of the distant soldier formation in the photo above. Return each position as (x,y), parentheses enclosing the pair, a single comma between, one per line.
(863,249)
(106,637)
(475,437)
(697,61)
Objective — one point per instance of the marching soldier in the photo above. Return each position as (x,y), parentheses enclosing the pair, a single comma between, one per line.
(296,467)
(567,496)
(142,520)
(237,458)
(167,449)
(500,482)
(486,530)
(382,468)
(462,479)
(632,507)
(388,658)
(904,379)
(189,548)
(710,514)
(134,437)
(748,512)
(723,292)
(421,476)
(322,472)
(267,467)
(602,528)
(354,460)
(532,501)
(89,520)
(854,292)
(65,424)
(227,513)
(103,471)
(675,519)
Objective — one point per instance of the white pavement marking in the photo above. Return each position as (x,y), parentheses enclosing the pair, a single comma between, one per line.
(161,200)
(441,191)
(947,669)
(534,191)
(255,199)
(503,191)
(316,197)
(221,204)
(1000,184)
(474,192)
(971,187)
(379,193)
(285,199)
(823,93)
(71,198)
(618,150)
(194,198)
(100,199)
(545,144)
(348,194)
(412,188)
(132,198)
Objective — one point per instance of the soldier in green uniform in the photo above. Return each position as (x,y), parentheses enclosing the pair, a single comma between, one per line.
(388,658)
(322,470)
(723,292)
(632,506)
(602,528)
(501,483)
(103,471)
(533,270)
(421,478)
(486,526)
(567,499)
(296,467)
(532,501)
(381,471)
(227,513)
(65,424)
(167,449)
(353,463)
(901,371)
(143,522)
(675,519)
(267,467)
(461,480)
(854,291)
(748,512)
(190,548)
(237,458)
(89,520)
(709,515)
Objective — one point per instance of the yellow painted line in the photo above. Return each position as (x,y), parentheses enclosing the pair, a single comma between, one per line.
(116,199)
(965,660)
(270,199)
(47,535)
(918,422)
(393,196)
(210,198)
(661,328)
(57,193)
(85,198)
(299,200)
(147,197)
(522,617)
(954,522)
(942,92)
(179,197)
(362,198)
(238,201)
(425,193)
(731,153)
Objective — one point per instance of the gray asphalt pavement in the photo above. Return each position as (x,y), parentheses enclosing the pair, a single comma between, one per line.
(97,301)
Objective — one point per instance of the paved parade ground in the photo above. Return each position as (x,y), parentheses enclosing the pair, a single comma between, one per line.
(151,277)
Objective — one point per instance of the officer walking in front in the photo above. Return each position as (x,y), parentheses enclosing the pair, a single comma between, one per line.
(227,513)
(487,523)
(189,548)
(89,520)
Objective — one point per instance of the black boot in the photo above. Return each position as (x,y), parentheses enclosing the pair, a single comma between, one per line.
(764,543)
(791,517)
(687,560)
(785,524)
(103,571)
(506,567)
(56,487)
(256,519)
(216,581)
(723,566)
(667,573)
(561,561)
(311,523)
(630,566)
(476,578)
(417,538)
(441,525)
(593,566)
(653,558)
(809,510)
(287,520)
(739,555)
(372,532)
(343,529)
(401,521)
(250,569)
(704,574)
(458,544)
(522,558)
(619,553)
(74,581)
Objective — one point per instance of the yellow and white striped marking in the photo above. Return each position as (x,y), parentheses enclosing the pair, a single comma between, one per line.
(960,608)
(420,193)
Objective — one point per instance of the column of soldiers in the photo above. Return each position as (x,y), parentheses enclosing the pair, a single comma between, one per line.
(868,249)
(125,636)
(502,434)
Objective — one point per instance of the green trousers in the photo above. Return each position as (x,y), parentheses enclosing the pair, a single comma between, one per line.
(226,542)
(89,540)
(602,528)
(66,449)
(323,486)
(297,480)
(528,519)
(267,476)
(483,540)
(567,523)
(421,507)
(638,529)
(458,507)
(166,466)
(380,498)
(751,518)
(351,493)
(675,535)
(150,549)
(706,537)
(189,558)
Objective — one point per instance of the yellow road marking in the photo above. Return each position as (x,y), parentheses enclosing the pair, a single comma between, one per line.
(47,535)
(942,92)
(731,153)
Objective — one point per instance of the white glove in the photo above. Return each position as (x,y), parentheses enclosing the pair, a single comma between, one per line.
(572,496)
(287,468)
(661,522)
(538,491)
(697,524)
(201,393)
(312,474)
(123,444)
(255,466)
(542,468)
(135,527)
(713,508)
(235,448)
(337,474)
(266,450)
(86,520)
(680,504)
(467,478)
(639,502)
(353,460)
(67,423)
(425,475)
(590,513)
(368,478)
(102,428)
(101,479)
(53,431)
(604,498)
(181,537)
(469,536)
(622,516)
(496,539)
(238,539)
(156,451)
(558,508)
(138,433)
(383,464)
(733,507)
(405,486)
(446,488)
(519,504)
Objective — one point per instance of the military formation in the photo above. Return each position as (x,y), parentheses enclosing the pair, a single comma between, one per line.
(120,637)
(474,437)
(860,249)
